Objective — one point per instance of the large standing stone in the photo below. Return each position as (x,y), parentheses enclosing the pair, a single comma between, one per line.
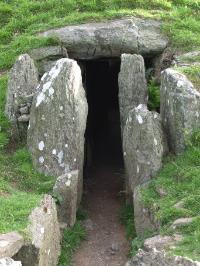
(23,81)
(43,246)
(10,244)
(143,145)
(180,108)
(144,218)
(58,121)
(111,38)
(132,85)
(66,189)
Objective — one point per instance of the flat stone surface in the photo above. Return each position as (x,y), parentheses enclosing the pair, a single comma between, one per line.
(49,51)
(161,242)
(9,262)
(10,244)
(111,38)
(181,222)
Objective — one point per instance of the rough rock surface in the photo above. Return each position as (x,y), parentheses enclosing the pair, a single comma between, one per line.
(58,121)
(144,146)
(66,189)
(10,244)
(132,85)
(111,39)
(180,108)
(9,262)
(44,247)
(46,57)
(181,222)
(23,81)
(154,253)
(143,217)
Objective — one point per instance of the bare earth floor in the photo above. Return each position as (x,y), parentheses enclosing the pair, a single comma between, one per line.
(106,243)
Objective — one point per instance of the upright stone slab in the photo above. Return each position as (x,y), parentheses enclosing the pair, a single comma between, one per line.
(180,108)
(58,121)
(143,218)
(66,189)
(23,81)
(143,145)
(132,85)
(42,247)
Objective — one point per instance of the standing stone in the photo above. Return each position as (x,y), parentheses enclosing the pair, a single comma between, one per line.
(58,121)
(144,146)
(23,81)
(180,108)
(132,85)
(66,189)
(144,218)
(43,245)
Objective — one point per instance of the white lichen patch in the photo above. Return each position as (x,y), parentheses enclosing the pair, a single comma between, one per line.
(139,119)
(69,176)
(124,153)
(61,108)
(138,169)
(41,145)
(155,141)
(60,157)
(42,230)
(68,183)
(40,98)
(74,159)
(54,151)
(51,91)
(4,243)
(66,145)
(180,83)
(41,160)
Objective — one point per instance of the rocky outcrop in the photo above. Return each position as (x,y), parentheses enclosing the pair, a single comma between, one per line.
(143,217)
(180,108)
(144,146)
(9,262)
(58,121)
(66,191)
(154,253)
(46,57)
(111,39)
(23,81)
(43,248)
(10,244)
(132,85)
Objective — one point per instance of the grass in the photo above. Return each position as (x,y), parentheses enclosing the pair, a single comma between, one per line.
(193,74)
(179,177)
(20,20)
(127,218)
(72,238)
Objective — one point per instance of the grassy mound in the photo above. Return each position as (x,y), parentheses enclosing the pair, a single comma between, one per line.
(180,179)
(20,20)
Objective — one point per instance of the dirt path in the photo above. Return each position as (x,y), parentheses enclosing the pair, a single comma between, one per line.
(106,244)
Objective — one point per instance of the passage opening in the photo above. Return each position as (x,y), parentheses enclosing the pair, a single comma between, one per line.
(103,132)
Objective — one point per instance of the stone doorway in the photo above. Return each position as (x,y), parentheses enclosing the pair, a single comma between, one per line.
(103,143)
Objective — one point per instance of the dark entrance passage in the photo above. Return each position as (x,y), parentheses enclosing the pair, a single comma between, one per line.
(106,241)
(103,135)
